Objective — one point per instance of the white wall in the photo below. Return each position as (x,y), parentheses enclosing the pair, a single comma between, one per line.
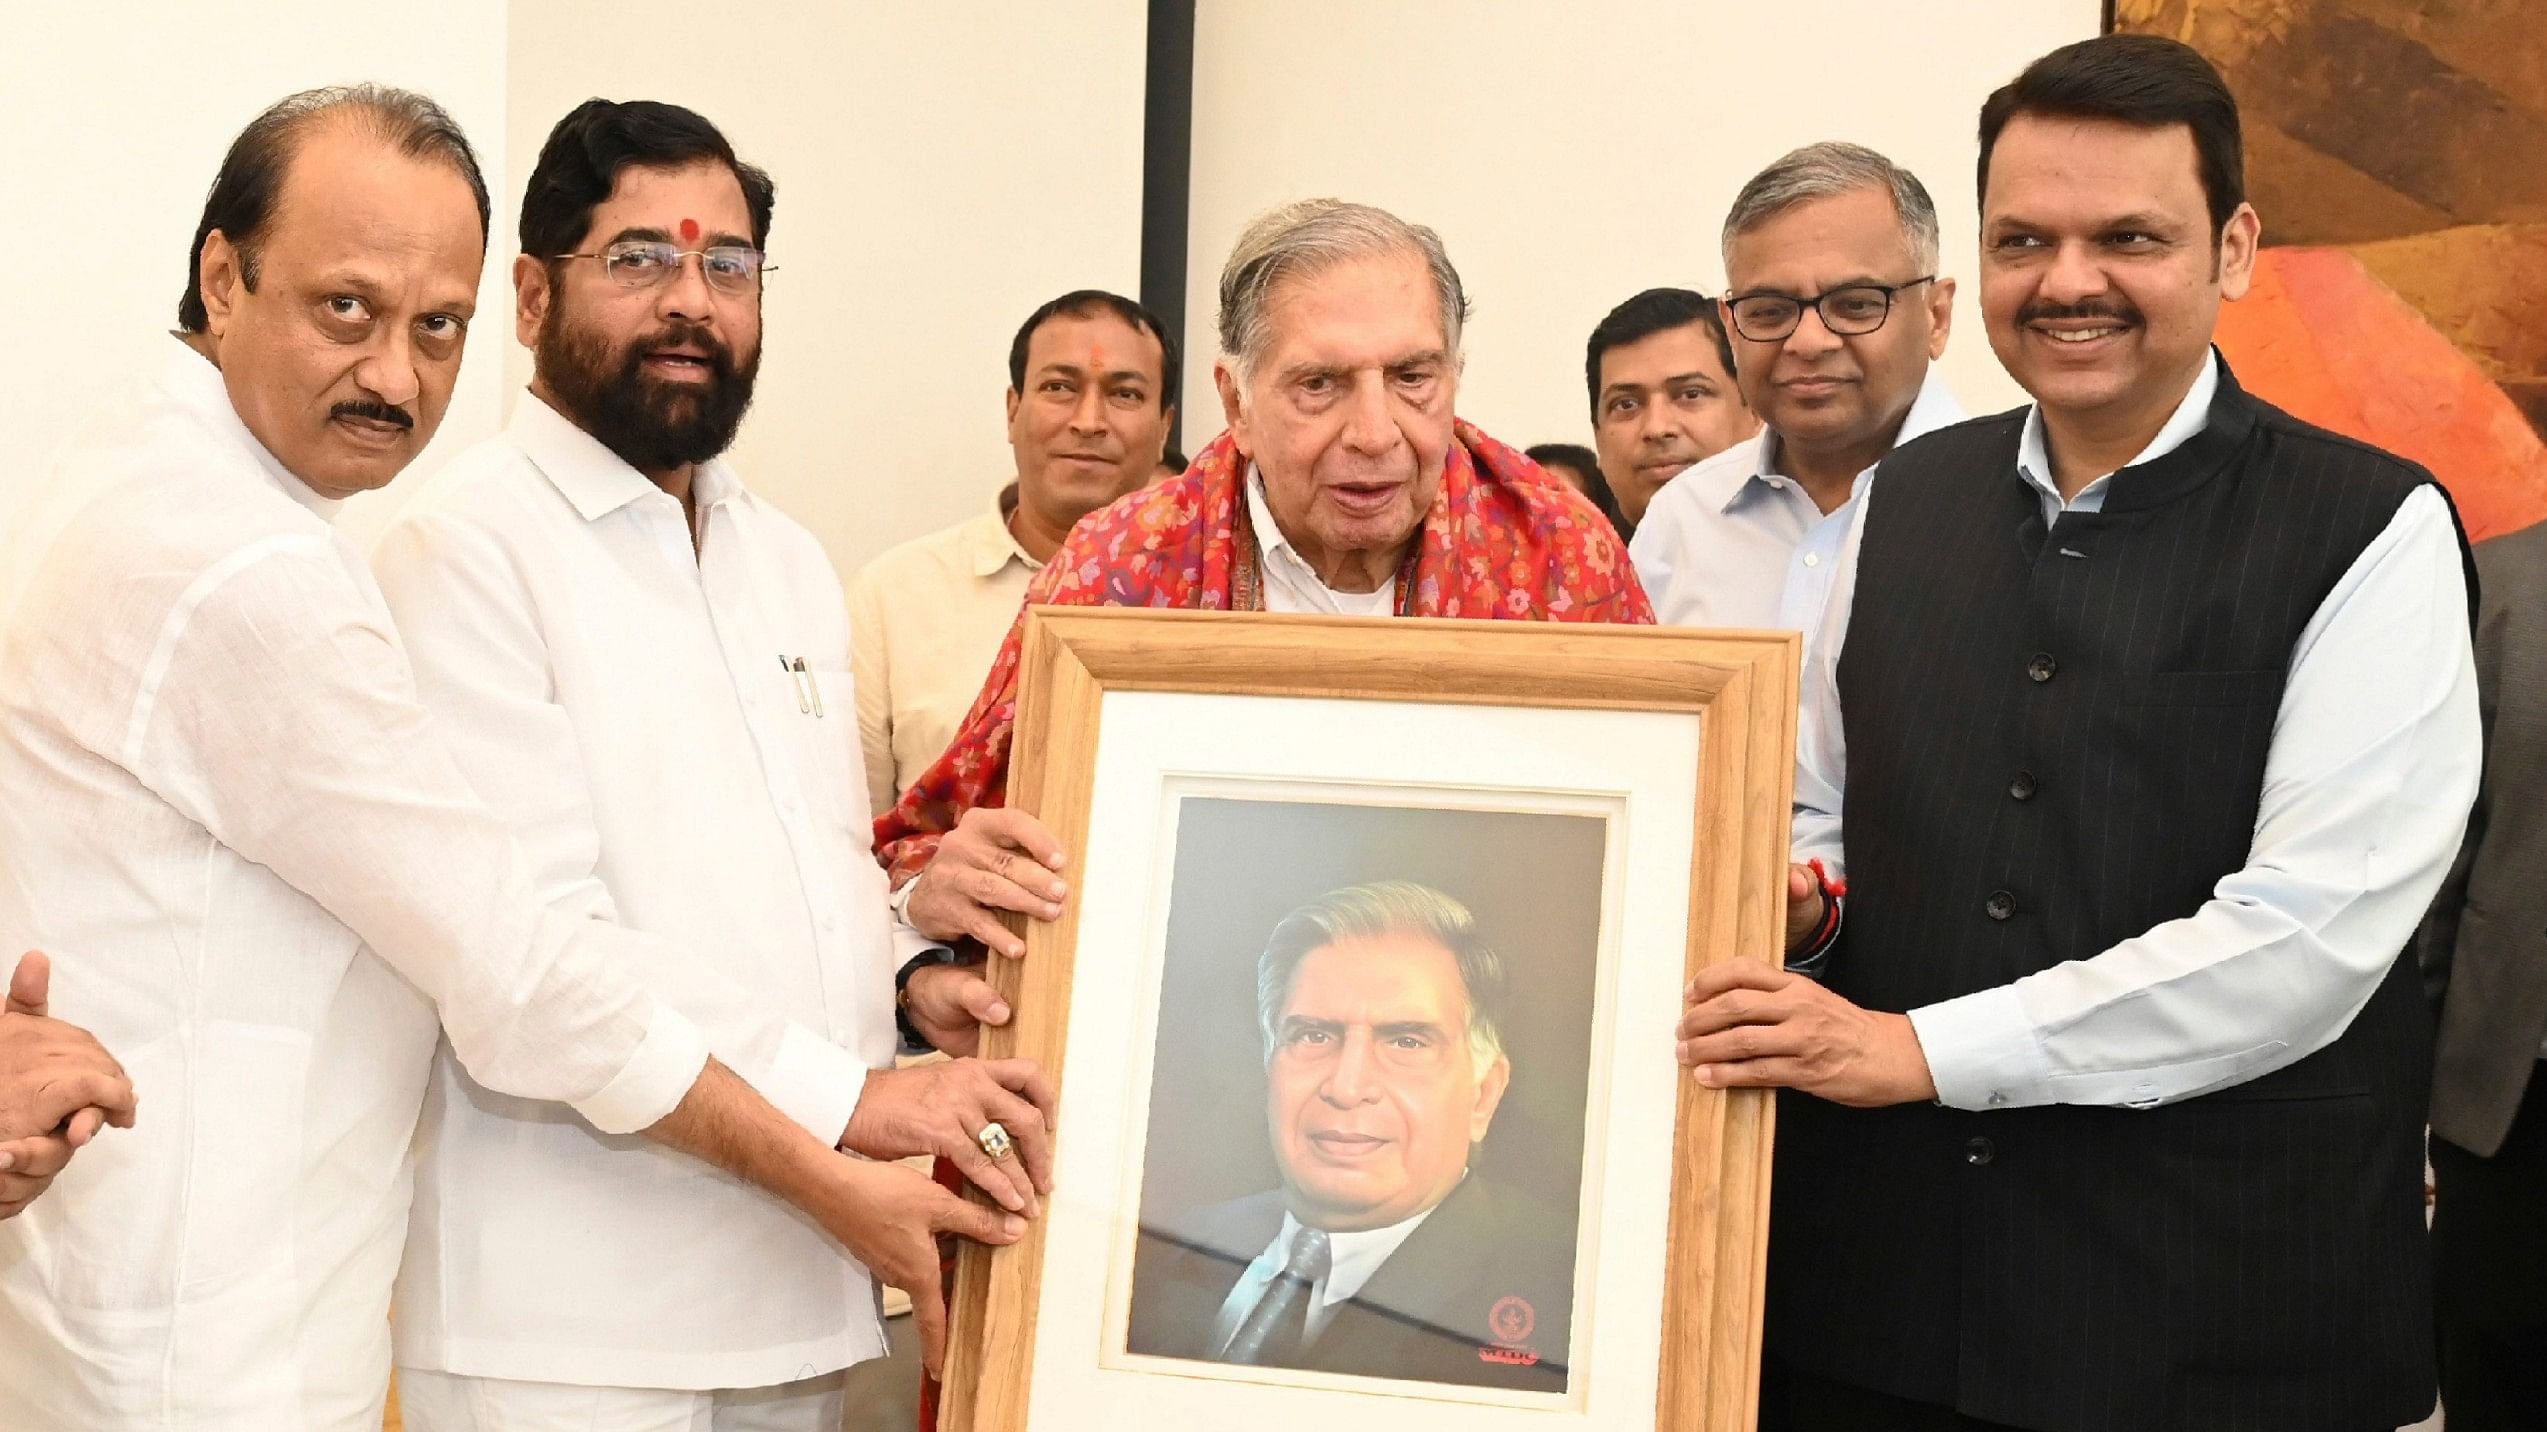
(117,116)
(1573,154)
(941,169)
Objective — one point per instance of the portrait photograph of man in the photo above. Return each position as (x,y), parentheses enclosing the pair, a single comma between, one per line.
(1366,1124)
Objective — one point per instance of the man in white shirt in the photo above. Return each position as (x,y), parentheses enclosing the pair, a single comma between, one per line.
(259,873)
(1380,1007)
(645,668)
(1837,311)
(1660,377)
(2154,726)
(1091,395)
(58,1087)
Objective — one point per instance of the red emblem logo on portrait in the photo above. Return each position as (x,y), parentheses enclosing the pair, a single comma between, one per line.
(1511,1321)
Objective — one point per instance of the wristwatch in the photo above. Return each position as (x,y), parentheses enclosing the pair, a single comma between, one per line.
(913,1042)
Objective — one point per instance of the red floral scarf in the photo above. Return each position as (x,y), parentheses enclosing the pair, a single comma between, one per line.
(1503,539)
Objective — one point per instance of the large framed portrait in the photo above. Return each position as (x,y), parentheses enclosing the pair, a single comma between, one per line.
(1362,1012)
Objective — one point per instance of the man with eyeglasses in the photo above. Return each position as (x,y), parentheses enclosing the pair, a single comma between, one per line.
(264,880)
(2146,720)
(1836,310)
(644,667)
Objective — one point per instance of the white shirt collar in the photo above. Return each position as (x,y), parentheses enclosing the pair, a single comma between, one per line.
(1933,407)
(594,479)
(2034,456)
(1354,1258)
(190,378)
(990,544)
(1294,569)
(1269,538)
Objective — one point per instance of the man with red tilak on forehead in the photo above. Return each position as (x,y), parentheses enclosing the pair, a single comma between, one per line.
(1344,485)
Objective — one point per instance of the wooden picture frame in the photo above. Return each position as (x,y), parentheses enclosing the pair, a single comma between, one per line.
(1741,690)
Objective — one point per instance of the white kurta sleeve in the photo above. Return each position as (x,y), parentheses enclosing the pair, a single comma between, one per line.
(277,710)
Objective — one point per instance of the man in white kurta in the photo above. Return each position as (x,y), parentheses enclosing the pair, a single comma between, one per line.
(645,668)
(622,704)
(215,790)
(259,873)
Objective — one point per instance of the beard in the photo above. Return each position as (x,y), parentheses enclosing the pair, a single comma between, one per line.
(653,425)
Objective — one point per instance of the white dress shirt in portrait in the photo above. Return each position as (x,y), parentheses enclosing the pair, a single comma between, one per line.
(1352,1260)
(1735,542)
(216,790)
(672,735)
(2380,700)
(925,623)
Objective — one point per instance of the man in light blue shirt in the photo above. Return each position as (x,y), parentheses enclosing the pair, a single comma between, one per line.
(1836,311)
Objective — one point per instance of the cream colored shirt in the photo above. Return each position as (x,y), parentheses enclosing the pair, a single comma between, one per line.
(925,622)
(259,872)
(618,697)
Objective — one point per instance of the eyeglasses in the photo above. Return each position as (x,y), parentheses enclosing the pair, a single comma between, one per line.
(1849,312)
(643,263)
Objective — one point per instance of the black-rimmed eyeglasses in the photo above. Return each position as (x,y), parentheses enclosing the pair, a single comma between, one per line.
(643,263)
(1859,308)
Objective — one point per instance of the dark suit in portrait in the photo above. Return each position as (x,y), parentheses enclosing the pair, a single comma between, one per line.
(1480,1295)
(2484,953)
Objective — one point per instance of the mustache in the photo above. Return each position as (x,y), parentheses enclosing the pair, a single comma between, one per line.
(377,412)
(2040,311)
(685,333)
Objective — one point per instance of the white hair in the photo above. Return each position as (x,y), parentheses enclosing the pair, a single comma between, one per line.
(1309,236)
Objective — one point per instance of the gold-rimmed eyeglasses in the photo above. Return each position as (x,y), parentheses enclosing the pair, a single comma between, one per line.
(643,263)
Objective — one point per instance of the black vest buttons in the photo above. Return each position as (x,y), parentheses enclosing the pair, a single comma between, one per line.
(1979,1151)
(2041,667)
(1999,906)
(2022,788)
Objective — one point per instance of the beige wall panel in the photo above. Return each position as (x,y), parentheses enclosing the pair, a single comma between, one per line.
(1573,154)
(941,170)
(117,116)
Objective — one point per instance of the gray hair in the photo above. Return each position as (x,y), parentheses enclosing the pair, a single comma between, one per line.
(1387,907)
(1833,167)
(1309,236)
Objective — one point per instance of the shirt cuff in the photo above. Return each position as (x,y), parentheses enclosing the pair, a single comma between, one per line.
(815,1083)
(908,943)
(1983,1052)
(667,1061)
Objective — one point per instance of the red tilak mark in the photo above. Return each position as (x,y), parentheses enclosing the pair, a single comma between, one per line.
(689,230)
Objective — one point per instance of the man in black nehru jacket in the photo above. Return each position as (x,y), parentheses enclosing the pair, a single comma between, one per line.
(2149,717)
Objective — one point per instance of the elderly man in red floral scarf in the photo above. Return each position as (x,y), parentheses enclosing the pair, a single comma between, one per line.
(1344,485)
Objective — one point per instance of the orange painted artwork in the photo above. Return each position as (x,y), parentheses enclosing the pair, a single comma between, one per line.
(2392,149)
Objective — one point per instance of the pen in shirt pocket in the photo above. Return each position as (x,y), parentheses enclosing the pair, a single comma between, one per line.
(808,692)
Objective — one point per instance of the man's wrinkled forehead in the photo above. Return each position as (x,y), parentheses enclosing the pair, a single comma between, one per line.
(1402,962)
(1829,240)
(1391,293)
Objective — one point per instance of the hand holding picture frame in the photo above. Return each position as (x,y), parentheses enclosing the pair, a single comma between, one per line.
(1362,1009)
